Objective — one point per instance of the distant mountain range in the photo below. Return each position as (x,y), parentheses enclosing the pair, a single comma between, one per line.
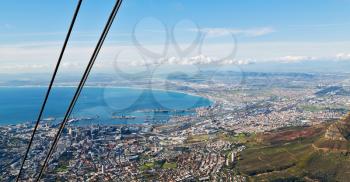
(332,90)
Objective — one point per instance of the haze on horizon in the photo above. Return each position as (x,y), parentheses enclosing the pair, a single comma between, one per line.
(311,32)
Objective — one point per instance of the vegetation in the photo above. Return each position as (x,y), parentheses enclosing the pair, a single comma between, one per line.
(198,138)
(61,169)
(169,165)
(147,166)
(311,108)
(242,138)
(158,164)
(295,155)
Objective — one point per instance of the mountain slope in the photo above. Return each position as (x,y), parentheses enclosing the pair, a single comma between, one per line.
(336,137)
(317,153)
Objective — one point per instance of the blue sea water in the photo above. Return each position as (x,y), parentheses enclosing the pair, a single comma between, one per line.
(96,105)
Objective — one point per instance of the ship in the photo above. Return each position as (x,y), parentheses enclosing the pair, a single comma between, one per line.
(123,117)
(161,111)
(49,119)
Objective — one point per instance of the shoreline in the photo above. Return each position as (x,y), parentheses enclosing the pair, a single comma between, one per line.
(210,101)
(123,87)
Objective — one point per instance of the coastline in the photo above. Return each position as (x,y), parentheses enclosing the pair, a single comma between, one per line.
(210,101)
(123,87)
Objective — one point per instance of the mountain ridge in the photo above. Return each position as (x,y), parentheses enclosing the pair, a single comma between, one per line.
(314,153)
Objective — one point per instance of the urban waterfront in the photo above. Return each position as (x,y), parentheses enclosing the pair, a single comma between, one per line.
(205,145)
(97,105)
(174,91)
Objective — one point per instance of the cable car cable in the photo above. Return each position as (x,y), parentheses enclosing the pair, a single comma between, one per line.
(50,86)
(82,83)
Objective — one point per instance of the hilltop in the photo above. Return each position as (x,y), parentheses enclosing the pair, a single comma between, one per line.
(336,137)
(315,153)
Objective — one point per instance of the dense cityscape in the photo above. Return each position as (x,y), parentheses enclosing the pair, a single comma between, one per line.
(174,91)
(204,146)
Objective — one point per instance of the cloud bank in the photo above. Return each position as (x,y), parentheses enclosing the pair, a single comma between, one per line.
(343,56)
(293,59)
(194,60)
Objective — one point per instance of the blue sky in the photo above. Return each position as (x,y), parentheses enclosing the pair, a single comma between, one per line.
(32,32)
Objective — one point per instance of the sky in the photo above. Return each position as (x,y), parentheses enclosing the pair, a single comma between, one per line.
(178,32)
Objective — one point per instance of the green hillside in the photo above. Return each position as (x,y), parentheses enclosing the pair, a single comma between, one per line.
(318,153)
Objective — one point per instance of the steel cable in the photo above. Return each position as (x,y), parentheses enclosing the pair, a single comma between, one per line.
(81,84)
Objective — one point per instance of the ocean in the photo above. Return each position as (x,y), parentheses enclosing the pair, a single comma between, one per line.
(96,105)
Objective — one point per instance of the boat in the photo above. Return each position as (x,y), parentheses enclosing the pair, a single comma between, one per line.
(123,117)
(161,111)
(74,120)
(49,119)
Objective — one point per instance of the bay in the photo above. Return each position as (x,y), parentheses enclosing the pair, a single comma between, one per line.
(97,105)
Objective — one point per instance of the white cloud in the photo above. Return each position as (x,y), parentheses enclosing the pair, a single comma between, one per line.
(253,32)
(291,59)
(343,57)
(194,60)
(78,54)
(71,64)
(238,62)
(295,59)
(24,67)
